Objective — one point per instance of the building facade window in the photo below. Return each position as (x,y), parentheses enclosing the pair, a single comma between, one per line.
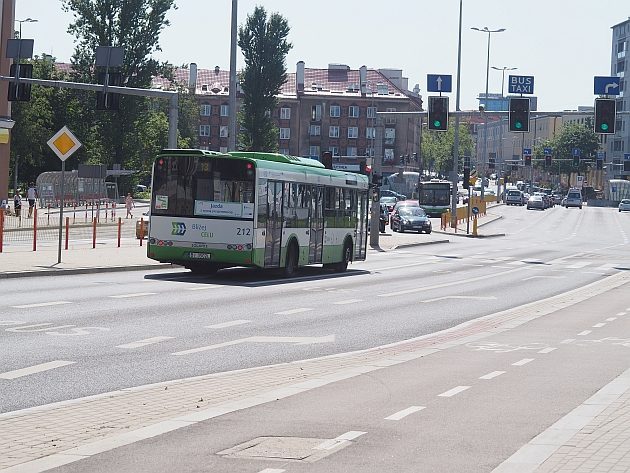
(223,131)
(371,112)
(353,132)
(314,130)
(206,110)
(335,111)
(316,113)
(334,150)
(390,136)
(314,150)
(353,111)
(370,133)
(225,110)
(285,133)
(223,149)
(333,132)
(285,113)
(621,66)
(369,151)
(204,130)
(390,120)
(388,155)
(351,151)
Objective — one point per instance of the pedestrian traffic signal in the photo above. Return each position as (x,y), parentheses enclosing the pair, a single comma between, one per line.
(576,161)
(605,110)
(466,179)
(519,114)
(528,160)
(491,162)
(599,164)
(548,161)
(438,113)
(20,92)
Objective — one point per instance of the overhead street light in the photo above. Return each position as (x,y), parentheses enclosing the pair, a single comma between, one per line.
(26,20)
(503,69)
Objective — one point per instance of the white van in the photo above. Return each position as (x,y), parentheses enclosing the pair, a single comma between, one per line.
(573,198)
(514,197)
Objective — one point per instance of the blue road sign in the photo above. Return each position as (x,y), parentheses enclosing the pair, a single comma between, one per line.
(577,152)
(626,156)
(475,210)
(606,85)
(439,83)
(521,84)
(547,151)
(527,151)
(601,155)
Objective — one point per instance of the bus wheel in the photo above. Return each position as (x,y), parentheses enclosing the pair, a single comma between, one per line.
(291,263)
(347,257)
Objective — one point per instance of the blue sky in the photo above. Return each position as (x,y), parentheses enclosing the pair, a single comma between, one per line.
(562,43)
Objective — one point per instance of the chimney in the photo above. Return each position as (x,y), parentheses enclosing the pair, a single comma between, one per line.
(299,78)
(192,77)
(363,80)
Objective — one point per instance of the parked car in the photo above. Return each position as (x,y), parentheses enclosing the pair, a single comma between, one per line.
(573,198)
(536,202)
(411,218)
(624,205)
(514,197)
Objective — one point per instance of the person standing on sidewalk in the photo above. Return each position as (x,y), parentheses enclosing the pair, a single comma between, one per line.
(31,195)
(129,204)
(17,203)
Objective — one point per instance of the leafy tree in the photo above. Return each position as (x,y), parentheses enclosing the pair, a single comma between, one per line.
(572,135)
(264,45)
(437,147)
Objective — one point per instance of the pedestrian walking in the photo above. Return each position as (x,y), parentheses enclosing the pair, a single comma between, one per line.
(31,195)
(17,203)
(129,204)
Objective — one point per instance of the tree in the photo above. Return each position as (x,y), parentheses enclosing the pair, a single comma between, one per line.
(264,45)
(571,136)
(437,147)
(134,25)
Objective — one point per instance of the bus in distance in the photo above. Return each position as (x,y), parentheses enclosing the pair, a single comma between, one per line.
(213,210)
(434,196)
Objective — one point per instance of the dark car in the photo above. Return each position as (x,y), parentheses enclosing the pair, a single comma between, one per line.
(410,218)
(383,218)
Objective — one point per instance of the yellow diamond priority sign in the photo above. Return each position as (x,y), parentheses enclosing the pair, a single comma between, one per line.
(64,143)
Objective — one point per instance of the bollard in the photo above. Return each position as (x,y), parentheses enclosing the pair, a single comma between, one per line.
(474,230)
(1,228)
(67,228)
(119,225)
(86,209)
(48,214)
(141,231)
(94,233)
(74,214)
(35,230)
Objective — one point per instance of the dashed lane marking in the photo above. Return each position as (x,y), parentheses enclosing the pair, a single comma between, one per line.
(51,365)
(404,413)
(599,325)
(567,341)
(293,311)
(349,301)
(611,319)
(620,314)
(136,294)
(454,391)
(272,470)
(41,304)
(332,443)
(584,332)
(202,288)
(229,324)
(522,362)
(494,374)
(544,351)
(143,343)
(543,277)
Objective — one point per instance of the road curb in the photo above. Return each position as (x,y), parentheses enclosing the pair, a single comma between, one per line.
(409,245)
(70,271)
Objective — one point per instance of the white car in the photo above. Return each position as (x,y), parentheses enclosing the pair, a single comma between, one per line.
(624,205)
(573,199)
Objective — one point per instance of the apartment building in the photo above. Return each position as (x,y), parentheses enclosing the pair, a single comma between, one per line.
(619,143)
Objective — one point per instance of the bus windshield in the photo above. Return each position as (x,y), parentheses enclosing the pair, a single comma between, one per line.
(192,186)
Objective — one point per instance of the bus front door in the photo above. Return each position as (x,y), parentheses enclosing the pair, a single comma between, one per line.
(317,225)
(361,230)
(274,224)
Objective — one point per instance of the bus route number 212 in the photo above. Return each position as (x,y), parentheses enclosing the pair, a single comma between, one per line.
(243,231)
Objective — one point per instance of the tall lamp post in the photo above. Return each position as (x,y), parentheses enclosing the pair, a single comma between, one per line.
(26,20)
(503,69)
(485,119)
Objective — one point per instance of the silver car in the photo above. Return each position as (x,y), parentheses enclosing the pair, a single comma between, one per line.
(573,199)
(536,202)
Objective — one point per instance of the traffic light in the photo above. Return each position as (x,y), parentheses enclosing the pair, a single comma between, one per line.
(21,92)
(109,100)
(528,160)
(576,161)
(466,179)
(377,180)
(548,161)
(327,160)
(362,167)
(605,110)
(491,161)
(626,165)
(599,164)
(438,113)
(519,114)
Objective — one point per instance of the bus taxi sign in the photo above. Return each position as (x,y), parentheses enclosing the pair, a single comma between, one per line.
(64,143)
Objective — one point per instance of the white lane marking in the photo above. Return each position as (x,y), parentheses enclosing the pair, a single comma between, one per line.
(501,267)
(585,332)
(136,294)
(294,340)
(404,413)
(543,277)
(544,351)
(475,298)
(229,324)
(452,392)
(202,288)
(51,365)
(143,343)
(568,340)
(599,325)
(293,311)
(494,374)
(583,264)
(376,270)
(516,263)
(622,313)
(611,319)
(272,470)
(522,362)
(41,304)
(349,301)
(332,443)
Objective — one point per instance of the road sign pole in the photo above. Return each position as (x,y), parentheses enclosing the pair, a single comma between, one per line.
(61,204)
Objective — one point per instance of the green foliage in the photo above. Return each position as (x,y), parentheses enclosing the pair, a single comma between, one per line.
(437,147)
(571,136)
(264,45)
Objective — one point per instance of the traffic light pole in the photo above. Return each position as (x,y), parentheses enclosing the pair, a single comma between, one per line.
(173,97)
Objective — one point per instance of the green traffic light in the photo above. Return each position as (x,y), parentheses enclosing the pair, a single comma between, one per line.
(604,126)
(518,125)
(437,123)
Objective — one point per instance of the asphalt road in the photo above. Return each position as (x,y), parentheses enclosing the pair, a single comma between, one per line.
(98,333)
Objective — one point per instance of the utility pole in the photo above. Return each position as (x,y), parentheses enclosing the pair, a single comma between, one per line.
(232,86)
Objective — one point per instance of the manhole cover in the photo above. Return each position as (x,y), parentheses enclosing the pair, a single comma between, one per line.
(284,449)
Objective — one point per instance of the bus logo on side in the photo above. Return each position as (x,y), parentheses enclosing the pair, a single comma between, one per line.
(179,228)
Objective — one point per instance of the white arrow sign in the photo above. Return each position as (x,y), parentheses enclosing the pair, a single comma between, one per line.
(261,339)
(614,85)
(439,83)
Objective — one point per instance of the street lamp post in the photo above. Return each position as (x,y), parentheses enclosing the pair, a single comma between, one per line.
(26,20)
(485,119)
(503,69)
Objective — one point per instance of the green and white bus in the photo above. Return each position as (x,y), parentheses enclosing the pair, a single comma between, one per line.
(213,210)
(434,196)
